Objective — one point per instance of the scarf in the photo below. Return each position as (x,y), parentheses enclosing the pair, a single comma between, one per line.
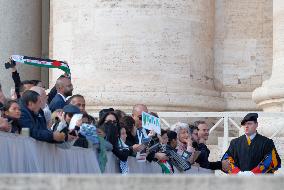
(102,154)
(123,165)
(38,62)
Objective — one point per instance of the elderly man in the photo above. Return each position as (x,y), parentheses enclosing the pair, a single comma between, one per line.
(252,153)
(64,89)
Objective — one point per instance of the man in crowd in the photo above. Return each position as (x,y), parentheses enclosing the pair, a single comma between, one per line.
(32,117)
(79,101)
(44,106)
(200,145)
(252,153)
(64,89)
(141,132)
(203,131)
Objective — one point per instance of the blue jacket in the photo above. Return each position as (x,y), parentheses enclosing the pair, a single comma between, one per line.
(36,123)
(57,103)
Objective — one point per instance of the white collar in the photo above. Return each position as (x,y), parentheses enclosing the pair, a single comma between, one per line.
(62,97)
(252,136)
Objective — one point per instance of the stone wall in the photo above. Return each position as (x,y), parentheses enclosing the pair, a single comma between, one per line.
(155,52)
(206,55)
(243,49)
(20,33)
(118,182)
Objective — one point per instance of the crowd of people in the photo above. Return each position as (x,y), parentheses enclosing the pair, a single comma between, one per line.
(48,118)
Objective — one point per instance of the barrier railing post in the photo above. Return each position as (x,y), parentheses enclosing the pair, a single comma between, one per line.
(226,133)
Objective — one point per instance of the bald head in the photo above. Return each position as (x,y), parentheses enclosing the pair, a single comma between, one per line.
(64,86)
(42,94)
(137,114)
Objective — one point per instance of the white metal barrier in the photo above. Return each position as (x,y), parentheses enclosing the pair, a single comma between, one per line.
(224,117)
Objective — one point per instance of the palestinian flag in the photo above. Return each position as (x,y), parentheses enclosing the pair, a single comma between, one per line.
(38,62)
(166,167)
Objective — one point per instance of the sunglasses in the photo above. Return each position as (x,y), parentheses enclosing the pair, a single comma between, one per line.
(111,122)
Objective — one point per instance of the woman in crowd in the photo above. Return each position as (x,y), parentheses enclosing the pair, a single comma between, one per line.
(110,118)
(12,112)
(123,151)
(129,124)
(184,142)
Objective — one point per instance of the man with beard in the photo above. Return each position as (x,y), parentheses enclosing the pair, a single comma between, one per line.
(64,89)
(79,101)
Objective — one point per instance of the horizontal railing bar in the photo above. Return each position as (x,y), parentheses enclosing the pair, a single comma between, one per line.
(211,114)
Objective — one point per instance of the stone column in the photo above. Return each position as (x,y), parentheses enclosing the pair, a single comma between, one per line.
(270,96)
(126,52)
(20,33)
(243,49)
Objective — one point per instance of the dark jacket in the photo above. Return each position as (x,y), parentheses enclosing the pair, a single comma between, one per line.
(52,93)
(57,103)
(81,142)
(36,123)
(17,81)
(202,159)
(121,152)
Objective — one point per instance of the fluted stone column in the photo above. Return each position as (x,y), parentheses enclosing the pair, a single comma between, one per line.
(126,52)
(20,33)
(270,96)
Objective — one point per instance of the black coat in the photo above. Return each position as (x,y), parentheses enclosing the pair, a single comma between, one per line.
(36,123)
(202,159)
(247,157)
(57,103)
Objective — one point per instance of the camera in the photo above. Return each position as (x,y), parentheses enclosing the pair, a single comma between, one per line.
(10,64)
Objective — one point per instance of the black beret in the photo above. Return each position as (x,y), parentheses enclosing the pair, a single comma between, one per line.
(250,117)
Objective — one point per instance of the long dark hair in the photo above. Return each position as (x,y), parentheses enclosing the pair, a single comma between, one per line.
(128,123)
(112,133)
(103,119)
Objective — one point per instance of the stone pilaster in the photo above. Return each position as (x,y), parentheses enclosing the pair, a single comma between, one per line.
(20,33)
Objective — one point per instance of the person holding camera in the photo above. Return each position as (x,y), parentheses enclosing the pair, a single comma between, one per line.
(72,136)
(20,86)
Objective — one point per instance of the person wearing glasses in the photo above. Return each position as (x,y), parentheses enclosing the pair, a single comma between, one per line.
(141,133)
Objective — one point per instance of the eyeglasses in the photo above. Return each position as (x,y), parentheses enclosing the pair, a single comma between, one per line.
(140,117)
